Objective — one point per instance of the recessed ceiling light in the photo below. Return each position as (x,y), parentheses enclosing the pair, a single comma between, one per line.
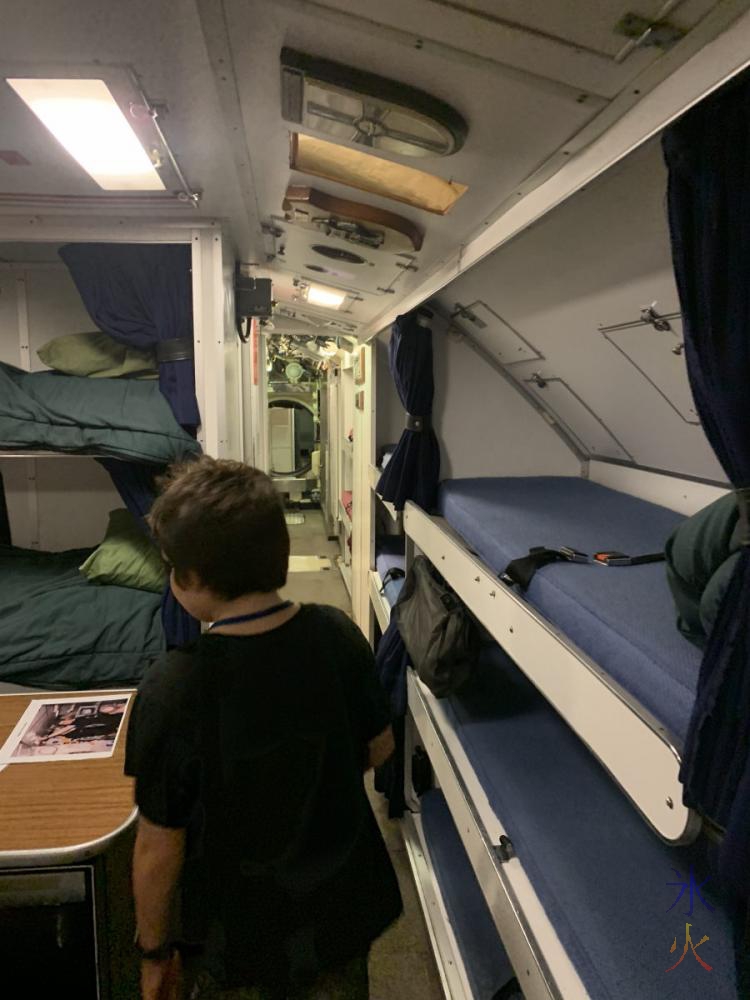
(332,298)
(87,121)
(351,105)
(371,173)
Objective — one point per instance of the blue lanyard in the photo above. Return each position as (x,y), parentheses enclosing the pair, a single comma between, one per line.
(239,619)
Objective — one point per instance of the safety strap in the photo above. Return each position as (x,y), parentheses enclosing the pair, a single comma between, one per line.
(521,571)
(394,573)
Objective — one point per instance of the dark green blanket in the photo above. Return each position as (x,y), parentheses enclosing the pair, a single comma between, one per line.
(119,417)
(60,632)
(701,557)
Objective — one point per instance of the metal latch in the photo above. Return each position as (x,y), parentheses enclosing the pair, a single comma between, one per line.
(465,313)
(504,850)
(645,33)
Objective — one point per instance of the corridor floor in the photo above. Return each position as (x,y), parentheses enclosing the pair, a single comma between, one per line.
(401,963)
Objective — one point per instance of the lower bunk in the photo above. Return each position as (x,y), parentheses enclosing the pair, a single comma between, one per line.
(472,962)
(61,631)
(588,901)
(387,579)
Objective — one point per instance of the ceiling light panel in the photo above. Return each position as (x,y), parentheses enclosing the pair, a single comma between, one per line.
(369,173)
(329,298)
(87,121)
(351,105)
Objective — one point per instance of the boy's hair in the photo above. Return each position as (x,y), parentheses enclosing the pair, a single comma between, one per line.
(223,521)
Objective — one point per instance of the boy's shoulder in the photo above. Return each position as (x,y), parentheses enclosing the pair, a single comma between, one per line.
(330,619)
(172,676)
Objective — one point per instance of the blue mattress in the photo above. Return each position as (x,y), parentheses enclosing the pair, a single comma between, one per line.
(600,873)
(624,618)
(391,556)
(487,966)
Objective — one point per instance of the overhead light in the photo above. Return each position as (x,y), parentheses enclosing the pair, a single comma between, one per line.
(87,121)
(371,173)
(328,297)
(351,105)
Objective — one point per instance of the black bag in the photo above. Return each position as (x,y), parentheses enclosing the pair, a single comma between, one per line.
(440,636)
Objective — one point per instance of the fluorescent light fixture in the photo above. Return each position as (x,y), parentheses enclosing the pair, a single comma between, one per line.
(329,297)
(87,121)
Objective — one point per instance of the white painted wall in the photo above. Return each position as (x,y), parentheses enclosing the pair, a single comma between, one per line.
(485,428)
(57,503)
(52,308)
(389,412)
(596,260)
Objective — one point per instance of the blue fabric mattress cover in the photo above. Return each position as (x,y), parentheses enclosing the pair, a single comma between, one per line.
(487,965)
(600,873)
(390,555)
(622,617)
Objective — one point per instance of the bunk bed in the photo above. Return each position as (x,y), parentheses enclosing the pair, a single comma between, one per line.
(582,892)
(58,629)
(599,642)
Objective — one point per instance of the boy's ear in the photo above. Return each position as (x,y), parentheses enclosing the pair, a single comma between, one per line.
(189,580)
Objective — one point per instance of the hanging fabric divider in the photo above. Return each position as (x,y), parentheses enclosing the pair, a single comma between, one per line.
(707,152)
(414,468)
(141,295)
(136,484)
(391,662)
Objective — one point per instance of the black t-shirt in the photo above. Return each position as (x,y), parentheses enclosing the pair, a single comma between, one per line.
(257,745)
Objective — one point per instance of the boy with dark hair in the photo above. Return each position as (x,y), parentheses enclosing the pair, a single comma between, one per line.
(248,749)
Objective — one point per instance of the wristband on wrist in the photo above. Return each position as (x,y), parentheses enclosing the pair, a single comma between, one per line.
(160,954)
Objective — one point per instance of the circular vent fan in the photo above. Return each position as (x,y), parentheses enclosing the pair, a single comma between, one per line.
(294,371)
(337,253)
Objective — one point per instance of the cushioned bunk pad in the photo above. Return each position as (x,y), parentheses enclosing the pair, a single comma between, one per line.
(119,417)
(622,617)
(488,968)
(391,556)
(601,875)
(61,632)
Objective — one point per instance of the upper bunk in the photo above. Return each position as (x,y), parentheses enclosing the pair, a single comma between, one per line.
(80,336)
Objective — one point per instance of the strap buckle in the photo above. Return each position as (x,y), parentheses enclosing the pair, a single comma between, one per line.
(612,559)
(572,555)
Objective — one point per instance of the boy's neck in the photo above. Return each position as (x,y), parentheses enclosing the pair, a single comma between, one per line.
(250,604)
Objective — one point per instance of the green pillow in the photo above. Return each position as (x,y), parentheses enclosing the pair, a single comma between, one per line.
(127,557)
(96,355)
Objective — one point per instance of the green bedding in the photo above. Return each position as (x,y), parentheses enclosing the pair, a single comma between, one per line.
(60,632)
(119,417)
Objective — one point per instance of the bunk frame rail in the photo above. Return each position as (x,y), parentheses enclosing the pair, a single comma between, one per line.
(543,967)
(639,753)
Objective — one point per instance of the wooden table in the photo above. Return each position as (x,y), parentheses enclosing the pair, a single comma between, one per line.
(61,812)
(66,831)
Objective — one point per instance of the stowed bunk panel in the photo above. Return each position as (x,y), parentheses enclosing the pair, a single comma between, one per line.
(622,617)
(487,965)
(605,881)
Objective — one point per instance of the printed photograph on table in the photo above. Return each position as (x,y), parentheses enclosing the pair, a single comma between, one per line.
(66,729)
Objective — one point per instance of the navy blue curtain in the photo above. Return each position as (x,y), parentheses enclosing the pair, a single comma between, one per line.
(708,156)
(136,484)
(391,662)
(141,294)
(414,468)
